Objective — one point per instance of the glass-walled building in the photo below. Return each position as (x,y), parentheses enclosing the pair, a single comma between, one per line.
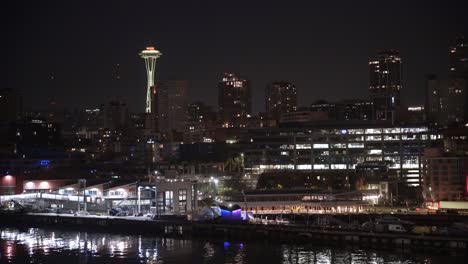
(400,149)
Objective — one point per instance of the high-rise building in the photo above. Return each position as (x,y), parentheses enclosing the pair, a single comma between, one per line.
(116,115)
(150,54)
(385,83)
(459,57)
(170,105)
(458,82)
(280,97)
(433,98)
(234,100)
(201,122)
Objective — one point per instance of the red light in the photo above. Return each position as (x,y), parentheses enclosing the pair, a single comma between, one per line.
(466,183)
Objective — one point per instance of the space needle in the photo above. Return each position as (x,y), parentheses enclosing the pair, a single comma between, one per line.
(150,54)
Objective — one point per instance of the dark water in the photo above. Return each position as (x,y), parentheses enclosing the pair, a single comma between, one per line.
(52,246)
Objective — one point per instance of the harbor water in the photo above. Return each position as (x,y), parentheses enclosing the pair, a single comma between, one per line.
(38,245)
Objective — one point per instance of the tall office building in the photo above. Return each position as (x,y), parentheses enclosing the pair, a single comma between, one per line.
(385,83)
(458,82)
(459,57)
(234,100)
(201,122)
(115,115)
(432,94)
(170,104)
(280,97)
(438,101)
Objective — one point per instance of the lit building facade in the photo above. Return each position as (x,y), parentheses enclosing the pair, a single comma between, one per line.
(339,149)
(445,178)
(385,83)
(234,101)
(201,122)
(346,110)
(280,98)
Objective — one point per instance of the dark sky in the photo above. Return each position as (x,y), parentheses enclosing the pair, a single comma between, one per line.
(68,50)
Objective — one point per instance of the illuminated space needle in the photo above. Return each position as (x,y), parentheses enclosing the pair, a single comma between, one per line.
(150,54)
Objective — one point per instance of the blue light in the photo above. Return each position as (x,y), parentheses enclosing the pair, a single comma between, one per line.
(344,131)
(226,244)
(45,162)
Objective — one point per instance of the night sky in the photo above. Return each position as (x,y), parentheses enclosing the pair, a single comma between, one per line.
(69,50)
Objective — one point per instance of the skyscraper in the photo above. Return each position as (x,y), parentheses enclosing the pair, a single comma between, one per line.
(280,97)
(201,122)
(234,100)
(458,82)
(170,105)
(433,98)
(150,54)
(385,83)
(459,57)
(115,115)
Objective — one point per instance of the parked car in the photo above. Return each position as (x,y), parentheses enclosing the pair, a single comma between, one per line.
(397,228)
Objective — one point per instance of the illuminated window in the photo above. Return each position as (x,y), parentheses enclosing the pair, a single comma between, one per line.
(373,138)
(356,138)
(338,166)
(391,137)
(413,129)
(355,131)
(320,146)
(355,145)
(303,146)
(304,167)
(408,137)
(373,131)
(374,151)
(169,200)
(182,200)
(391,130)
(321,167)
(338,145)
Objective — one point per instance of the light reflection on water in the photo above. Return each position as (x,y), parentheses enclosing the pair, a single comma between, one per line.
(52,246)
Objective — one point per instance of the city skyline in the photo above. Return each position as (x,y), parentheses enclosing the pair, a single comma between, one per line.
(318,54)
(303,131)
